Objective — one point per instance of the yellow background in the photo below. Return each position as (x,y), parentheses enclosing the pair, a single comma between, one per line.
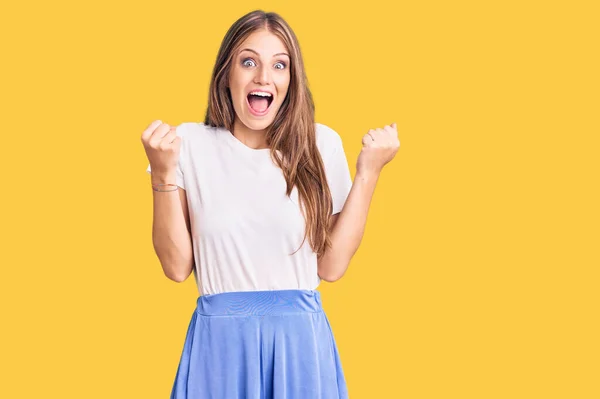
(478,275)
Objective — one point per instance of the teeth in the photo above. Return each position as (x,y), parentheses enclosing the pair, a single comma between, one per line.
(260,93)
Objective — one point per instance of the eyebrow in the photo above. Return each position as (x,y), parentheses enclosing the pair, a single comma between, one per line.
(249,49)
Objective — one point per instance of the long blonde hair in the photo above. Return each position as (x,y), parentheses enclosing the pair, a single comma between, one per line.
(292,132)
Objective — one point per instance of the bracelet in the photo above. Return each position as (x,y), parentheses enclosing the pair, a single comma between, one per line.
(166,184)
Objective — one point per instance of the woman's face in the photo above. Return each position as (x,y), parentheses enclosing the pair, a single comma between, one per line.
(260,66)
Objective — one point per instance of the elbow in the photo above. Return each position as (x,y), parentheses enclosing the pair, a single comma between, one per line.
(179,274)
(331,271)
(333,268)
(331,277)
(177,278)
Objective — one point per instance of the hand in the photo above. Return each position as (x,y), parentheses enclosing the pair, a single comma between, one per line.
(379,147)
(161,144)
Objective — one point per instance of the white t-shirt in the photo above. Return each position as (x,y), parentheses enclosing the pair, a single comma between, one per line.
(243,226)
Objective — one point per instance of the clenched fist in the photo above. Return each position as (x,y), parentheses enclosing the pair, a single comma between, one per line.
(379,147)
(161,144)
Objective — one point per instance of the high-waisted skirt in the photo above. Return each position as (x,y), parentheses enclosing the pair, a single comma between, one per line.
(260,345)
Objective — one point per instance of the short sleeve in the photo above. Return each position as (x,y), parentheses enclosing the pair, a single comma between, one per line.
(179,171)
(336,169)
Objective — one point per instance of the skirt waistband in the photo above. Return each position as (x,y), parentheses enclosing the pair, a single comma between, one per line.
(259,303)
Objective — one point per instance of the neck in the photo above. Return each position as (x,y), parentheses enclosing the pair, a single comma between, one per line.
(256,139)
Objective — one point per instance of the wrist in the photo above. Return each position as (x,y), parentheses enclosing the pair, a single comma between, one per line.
(159,177)
(367,175)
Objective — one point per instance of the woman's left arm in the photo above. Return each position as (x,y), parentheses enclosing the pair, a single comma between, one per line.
(347,230)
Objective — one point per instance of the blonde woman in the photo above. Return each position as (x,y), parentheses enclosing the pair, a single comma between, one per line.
(258,203)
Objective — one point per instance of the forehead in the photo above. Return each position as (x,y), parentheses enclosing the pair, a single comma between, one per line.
(263,42)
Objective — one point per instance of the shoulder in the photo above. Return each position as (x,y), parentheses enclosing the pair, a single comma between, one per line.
(328,139)
(197,135)
(326,133)
(193,129)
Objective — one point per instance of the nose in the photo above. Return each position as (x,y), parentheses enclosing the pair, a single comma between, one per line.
(263,76)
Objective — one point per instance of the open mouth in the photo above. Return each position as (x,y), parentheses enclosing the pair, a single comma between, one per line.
(259,102)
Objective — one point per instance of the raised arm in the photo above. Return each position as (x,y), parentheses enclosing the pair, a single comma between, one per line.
(171,232)
(379,147)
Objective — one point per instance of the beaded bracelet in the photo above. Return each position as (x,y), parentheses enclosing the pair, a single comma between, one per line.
(166,184)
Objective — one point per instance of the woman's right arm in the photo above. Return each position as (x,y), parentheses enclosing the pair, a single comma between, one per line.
(171,232)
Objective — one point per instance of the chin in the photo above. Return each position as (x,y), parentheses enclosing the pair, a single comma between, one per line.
(259,123)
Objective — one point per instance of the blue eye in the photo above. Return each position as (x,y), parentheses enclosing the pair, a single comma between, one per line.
(252,63)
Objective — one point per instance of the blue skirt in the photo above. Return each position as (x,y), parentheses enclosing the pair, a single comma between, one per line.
(259,345)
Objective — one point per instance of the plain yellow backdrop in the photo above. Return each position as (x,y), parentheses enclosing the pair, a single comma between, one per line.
(478,274)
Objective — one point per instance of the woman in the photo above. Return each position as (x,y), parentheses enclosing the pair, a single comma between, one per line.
(258,202)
